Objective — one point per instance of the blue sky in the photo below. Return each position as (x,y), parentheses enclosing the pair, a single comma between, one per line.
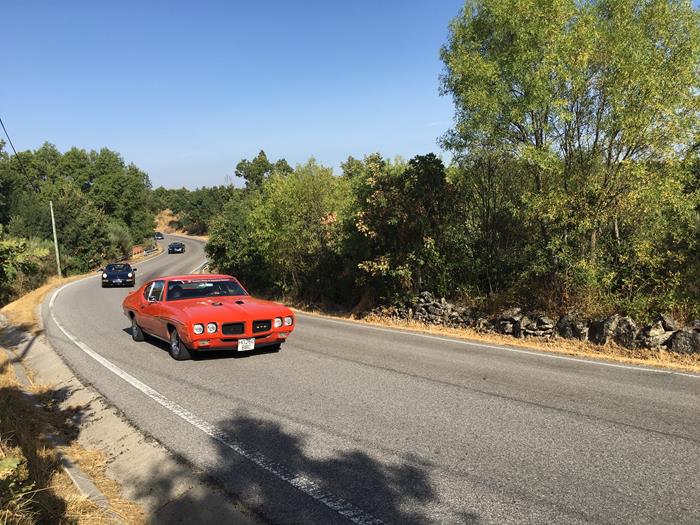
(186,89)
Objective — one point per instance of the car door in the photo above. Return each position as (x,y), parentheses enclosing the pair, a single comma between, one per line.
(150,307)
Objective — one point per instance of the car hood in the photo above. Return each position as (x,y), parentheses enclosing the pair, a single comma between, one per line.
(230,309)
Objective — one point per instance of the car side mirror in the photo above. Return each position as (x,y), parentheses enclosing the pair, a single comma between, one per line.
(133,269)
(152,299)
(100,270)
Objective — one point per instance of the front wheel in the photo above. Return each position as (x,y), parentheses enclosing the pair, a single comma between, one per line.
(178,350)
(136,332)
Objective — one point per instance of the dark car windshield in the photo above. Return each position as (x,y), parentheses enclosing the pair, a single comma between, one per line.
(118,268)
(201,288)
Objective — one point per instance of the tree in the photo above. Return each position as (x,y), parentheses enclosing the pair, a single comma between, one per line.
(294,226)
(255,172)
(591,100)
(402,213)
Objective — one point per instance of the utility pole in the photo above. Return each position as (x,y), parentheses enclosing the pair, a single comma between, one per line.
(55,240)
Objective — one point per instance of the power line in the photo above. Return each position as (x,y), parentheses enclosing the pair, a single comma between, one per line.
(21,165)
(13,147)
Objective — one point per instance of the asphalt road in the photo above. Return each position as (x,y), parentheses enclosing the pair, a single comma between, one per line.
(354,423)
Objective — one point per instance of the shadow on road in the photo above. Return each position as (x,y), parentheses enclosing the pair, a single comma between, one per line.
(391,493)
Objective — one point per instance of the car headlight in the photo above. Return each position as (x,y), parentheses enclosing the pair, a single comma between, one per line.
(288,321)
(198,329)
(104,275)
(211,328)
(278,322)
(130,275)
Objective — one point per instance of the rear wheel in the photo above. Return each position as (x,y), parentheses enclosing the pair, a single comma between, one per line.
(178,350)
(136,332)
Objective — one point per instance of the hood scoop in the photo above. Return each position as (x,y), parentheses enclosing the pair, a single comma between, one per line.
(239,301)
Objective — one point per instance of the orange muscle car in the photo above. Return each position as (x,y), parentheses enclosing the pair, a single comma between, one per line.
(206,312)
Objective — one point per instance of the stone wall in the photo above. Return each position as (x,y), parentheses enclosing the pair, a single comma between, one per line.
(664,331)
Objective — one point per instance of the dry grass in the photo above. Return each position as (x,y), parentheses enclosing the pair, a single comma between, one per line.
(25,430)
(22,312)
(609,352)
(187,235)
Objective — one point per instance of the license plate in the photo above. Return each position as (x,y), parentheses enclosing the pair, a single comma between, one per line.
(117,280)
(245,345)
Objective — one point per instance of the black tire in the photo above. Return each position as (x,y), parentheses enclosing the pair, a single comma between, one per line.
(177,349)
(274,348)
(136,332)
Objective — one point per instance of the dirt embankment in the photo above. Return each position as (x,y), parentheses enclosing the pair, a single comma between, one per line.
(168,222)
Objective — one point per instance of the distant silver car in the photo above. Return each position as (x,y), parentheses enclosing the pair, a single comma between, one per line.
(158,236)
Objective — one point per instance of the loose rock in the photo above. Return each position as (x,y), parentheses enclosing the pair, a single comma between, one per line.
(685,342)
(625,332)
(600,332)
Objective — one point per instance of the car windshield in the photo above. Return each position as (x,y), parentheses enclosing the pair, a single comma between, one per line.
(201,288)
(118,268)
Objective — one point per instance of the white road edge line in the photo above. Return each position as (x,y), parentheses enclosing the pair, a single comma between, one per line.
(335,503)
(503,348)
(199,267)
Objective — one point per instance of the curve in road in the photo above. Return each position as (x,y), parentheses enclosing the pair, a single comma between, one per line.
(351,422)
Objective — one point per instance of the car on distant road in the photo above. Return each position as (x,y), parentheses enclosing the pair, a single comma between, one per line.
(118,274)
(158,236)
(176,247)
(194,313)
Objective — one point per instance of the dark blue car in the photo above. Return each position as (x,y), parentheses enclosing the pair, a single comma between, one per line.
(176,247)
(121,274)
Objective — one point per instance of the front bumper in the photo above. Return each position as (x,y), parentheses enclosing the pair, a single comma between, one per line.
(118,282)
(223,342)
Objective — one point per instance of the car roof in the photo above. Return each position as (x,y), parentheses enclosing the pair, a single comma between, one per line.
(195,277)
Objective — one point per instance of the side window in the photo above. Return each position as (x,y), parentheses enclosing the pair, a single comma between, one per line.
(147,291)
(156,291)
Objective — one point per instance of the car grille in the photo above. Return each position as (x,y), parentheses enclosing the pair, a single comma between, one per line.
(232,328)
(261,326)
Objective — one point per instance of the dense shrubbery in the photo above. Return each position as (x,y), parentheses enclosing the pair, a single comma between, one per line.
(386,230)
(101,206)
